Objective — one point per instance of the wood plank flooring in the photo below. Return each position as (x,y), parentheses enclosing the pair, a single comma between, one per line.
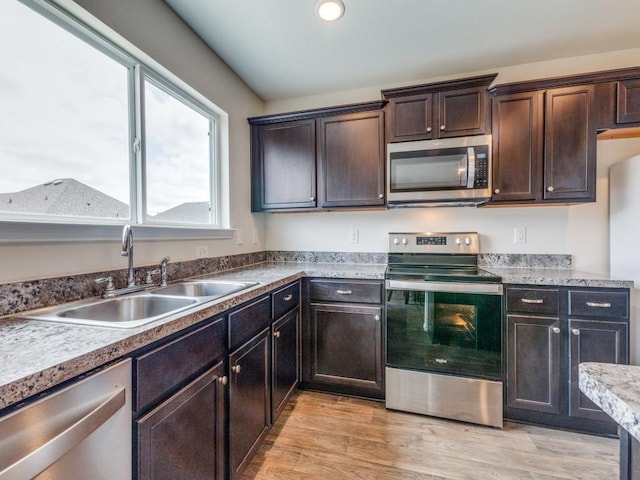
(328,437)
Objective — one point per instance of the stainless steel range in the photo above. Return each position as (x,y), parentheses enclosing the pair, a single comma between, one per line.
(444,329)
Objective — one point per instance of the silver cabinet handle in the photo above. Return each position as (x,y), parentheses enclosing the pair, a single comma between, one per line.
(381,195)
(50,450)
(599,304)
(288,298)
(223,380)
(549,188)
(313,199)
(537,301)
(555,329)
(344,292)
(236,368)
(575,331)
(442,127)
(377,318)
(276,334)
(429,129)
(497,190)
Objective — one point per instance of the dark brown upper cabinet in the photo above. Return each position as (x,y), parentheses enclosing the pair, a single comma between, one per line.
(628,101)
(544,144)
(438,110)
(351,155)
(323,158)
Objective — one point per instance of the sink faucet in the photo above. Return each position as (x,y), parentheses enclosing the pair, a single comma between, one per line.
(127,251)
(163,271)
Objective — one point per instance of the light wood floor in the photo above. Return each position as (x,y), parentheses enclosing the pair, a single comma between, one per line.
(327,437)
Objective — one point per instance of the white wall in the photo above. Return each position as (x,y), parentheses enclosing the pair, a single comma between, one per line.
(156,30)
(579,230)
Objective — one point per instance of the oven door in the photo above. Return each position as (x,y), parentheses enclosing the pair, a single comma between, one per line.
(442,327)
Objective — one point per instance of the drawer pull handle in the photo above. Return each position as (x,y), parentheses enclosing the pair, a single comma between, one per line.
(344,292)
(575,331)
(223,380)
(377,318)
(288,298)
(276,334)
(556,330)
(236,369)
(441,360)
(599,304)
(537,301)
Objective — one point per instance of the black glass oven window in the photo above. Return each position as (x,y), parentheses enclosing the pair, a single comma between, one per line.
(451,333)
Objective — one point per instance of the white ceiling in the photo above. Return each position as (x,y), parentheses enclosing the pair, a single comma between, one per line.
(282,50)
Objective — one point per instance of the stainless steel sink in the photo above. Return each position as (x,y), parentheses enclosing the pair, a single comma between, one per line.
(204,288)
(120,312)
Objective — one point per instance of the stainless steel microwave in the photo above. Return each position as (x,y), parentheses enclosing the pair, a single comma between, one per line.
(450,171)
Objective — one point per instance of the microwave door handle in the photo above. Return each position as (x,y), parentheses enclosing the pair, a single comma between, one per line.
(471,167)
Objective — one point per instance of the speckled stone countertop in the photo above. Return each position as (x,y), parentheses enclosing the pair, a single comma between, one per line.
(36,355)
(556,276)
(616,390)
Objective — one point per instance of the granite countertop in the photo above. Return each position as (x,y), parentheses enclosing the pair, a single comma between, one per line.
(557,277)
(616,390)
(36,355)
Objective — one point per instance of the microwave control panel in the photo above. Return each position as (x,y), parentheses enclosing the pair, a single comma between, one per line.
(482,167)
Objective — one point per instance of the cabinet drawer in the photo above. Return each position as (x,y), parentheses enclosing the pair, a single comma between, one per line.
(286,299)
(162,369)
(248,321)
(539,301)
(598,303)
(345,291)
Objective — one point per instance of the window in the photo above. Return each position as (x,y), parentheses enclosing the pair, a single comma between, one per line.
(81,143)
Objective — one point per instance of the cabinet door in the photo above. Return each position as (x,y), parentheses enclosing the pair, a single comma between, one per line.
(410,118)
(593,341)
(346,349)
(351,155)
(628,94)
(462,112)
(284,165)
(285,356)
(184,436)
(533,363)
(249,401)
(517,147)
(570,144)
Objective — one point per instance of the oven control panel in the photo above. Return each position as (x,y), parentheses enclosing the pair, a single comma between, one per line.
(432,242)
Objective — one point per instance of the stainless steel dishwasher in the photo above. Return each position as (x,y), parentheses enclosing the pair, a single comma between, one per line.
(81,431)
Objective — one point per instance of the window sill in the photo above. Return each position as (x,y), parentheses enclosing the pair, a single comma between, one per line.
(22,232)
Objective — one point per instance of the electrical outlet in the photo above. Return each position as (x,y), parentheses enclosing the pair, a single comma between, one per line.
(202,252)
(255,238)
(354,235)
(519,235)
(239,236)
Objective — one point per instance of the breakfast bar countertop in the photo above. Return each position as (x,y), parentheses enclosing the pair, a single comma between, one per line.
(616,390)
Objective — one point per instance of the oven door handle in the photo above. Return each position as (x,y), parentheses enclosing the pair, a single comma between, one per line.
(449,287)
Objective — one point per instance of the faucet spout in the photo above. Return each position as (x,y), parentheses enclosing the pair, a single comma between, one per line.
(127,251)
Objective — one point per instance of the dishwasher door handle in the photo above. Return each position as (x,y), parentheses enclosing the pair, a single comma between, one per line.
(51,449)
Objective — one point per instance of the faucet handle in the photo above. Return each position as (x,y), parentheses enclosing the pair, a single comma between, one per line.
(150,273)
(109,288)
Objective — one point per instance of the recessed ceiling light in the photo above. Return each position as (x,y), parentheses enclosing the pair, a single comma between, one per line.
(330,10)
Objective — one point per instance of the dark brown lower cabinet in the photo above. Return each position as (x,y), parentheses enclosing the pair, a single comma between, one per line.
(550,331)
(285,360)
(533,363)
(184,437)
(249,400)
(346,349)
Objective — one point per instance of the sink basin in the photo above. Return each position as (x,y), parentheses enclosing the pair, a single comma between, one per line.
(120,312)
(204,288)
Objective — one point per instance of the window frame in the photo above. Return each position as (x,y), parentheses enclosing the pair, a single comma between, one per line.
(87,28)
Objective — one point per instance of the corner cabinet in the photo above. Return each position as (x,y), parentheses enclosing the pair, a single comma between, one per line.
(550,330)
(438,110)
(318,159)
(342,340)
(544,145)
